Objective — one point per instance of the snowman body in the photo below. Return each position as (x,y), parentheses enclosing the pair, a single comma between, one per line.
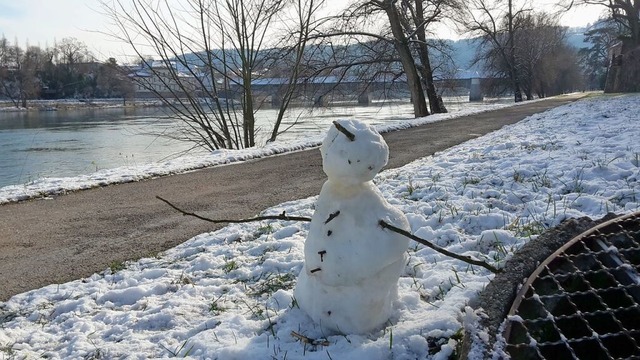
(352,265)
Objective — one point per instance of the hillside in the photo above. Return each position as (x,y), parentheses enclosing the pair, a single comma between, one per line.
(462,51)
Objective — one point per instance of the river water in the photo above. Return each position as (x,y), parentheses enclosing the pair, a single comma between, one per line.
(81,141)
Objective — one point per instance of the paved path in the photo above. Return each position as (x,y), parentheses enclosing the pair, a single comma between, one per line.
(72,236)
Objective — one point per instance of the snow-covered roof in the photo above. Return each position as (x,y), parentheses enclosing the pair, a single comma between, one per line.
(140,73)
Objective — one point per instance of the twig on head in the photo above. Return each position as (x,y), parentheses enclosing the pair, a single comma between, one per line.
(343,130)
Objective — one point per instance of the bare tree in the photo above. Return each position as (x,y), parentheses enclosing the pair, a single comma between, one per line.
(72,57)
(395,32)
(420,15)
(542,55)
(29,65)
(72,51)
(558,72)
(401,43)
(626,13)
(494,22)
(19,72)
(361,20)
(5,65)
(209,53)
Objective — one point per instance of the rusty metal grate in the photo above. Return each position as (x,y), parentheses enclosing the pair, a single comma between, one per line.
(583,301)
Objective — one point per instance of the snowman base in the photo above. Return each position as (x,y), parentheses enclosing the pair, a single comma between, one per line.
(353,309)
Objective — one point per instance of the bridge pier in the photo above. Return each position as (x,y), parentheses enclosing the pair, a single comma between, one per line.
(276,100)
(475,90)
(321,101)
(364,98)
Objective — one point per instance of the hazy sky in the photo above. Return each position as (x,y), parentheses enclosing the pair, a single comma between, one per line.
(42,22)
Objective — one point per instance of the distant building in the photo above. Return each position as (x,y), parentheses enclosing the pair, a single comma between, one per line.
(159,79)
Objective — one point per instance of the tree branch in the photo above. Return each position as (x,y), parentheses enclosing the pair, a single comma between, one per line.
(308,340)
(467,259)
(343,130)
(282,216)
(349,33)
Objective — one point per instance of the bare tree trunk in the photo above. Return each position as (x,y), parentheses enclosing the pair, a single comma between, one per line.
(513,65)
(249,120)
(401,44)
(435,102)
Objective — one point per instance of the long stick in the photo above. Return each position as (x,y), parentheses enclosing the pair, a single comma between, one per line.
(308,340)
(467,259)
(285,217)
(282,216)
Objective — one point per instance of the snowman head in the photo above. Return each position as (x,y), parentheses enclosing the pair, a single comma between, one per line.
(353,152)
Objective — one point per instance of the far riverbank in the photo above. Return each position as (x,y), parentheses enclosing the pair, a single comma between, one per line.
(69,104)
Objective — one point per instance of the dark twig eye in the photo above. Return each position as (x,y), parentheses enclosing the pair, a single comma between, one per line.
(332,216)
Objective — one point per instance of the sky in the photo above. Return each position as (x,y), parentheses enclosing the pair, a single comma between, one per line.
(43,22)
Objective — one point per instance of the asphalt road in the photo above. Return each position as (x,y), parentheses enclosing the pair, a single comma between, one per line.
(69,237)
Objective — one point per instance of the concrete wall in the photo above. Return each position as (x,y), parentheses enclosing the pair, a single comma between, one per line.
(624,70)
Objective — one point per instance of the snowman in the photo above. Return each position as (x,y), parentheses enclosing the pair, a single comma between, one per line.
(349,279)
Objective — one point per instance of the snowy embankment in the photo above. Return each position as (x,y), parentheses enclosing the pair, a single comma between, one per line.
(228,294)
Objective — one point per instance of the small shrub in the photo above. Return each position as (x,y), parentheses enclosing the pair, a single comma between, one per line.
(117,265)
(230,266)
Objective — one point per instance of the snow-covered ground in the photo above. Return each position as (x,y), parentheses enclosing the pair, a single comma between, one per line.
(228,294)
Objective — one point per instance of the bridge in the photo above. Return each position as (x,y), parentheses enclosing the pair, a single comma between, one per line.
(335,89)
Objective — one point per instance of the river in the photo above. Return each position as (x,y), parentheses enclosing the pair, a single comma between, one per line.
(65,143)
